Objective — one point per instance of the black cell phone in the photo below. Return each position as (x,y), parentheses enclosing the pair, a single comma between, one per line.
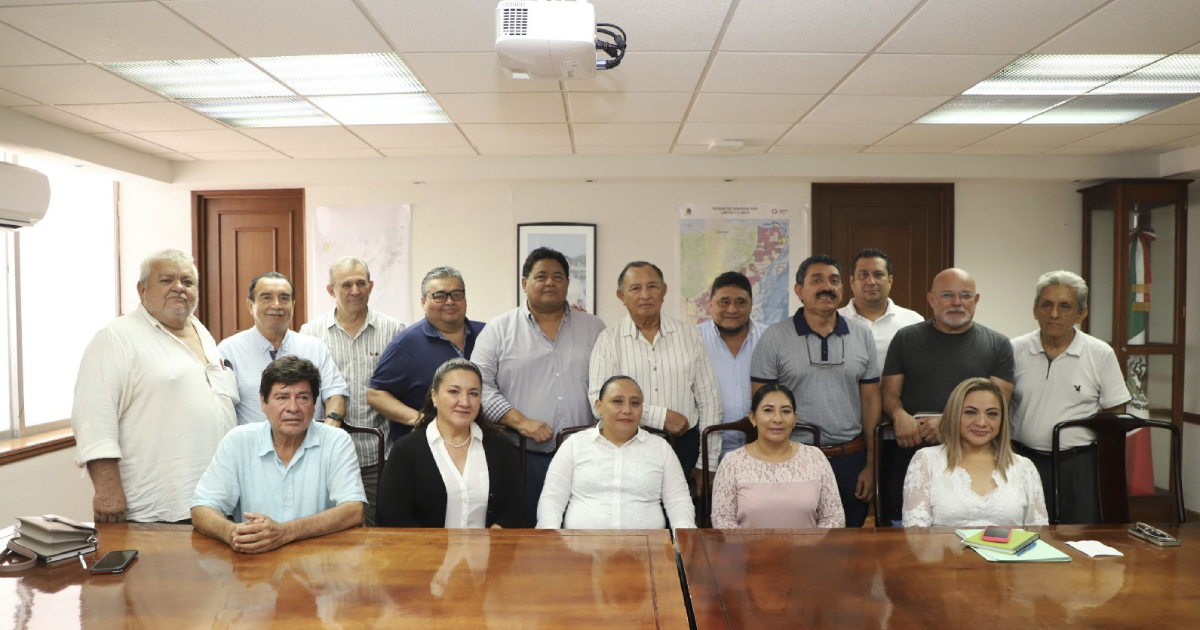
(114,562)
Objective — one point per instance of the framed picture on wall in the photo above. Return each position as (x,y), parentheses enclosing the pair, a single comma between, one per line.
(576,241)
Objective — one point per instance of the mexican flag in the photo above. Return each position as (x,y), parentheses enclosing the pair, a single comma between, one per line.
(1139,467)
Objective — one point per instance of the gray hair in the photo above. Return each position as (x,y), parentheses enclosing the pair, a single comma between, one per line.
(168,255)
(441,272)
(347,262)
(1067,279)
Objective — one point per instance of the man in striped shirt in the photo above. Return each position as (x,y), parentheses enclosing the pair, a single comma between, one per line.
(356,336)
(666,358)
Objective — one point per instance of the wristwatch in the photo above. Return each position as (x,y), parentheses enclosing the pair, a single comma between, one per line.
(336,416)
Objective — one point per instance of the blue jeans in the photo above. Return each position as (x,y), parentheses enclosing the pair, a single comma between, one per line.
(846,469)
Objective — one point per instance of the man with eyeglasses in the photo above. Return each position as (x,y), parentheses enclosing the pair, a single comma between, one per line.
(271,301)
(405,370)
(829,364)
(926,361)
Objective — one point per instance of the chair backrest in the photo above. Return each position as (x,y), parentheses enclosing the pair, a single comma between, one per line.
(1110,430)
(522,446)
(350,428)
(743,425)
(566,433)
(885,430)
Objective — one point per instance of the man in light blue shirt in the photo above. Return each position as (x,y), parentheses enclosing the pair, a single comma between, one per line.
(283,480)
(271,302)
(730,337)
(534,361)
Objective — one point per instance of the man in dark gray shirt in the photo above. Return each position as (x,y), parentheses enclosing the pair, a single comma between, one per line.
(926,362)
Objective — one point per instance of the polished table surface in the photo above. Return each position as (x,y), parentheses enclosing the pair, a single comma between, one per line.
(896,578)
(386,578)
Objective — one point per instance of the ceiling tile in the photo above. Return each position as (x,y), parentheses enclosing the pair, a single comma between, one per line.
(921,75)
(496,107)
(1184,143)
(634,150)
(695,149)
(294,139)
(823,134)
(903,149)
(817,149)
(120,31)
(133,143)
(653,72)
(333,154)
(19,49)
(8,99)
(982,150)
(177,157)
(268,28)
(63,119)
(72,85)
(941,135)
(1077,150)
(193,142)
(525,151)
(650,134)
(666,25)
(429,152)
(1131,27)
(239,156)
(813,25)
(839,108)
(777,73)
(448,73)
(764,108)
(517,135)
(753,134)
(410,136)
(145,116)
(436,25)
(1138,136)
(605,107)
(982,27)
(1183,114)
(1042,135)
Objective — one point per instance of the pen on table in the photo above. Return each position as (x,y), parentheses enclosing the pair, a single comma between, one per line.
(81,562)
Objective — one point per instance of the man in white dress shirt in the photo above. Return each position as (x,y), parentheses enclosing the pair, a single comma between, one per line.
(152,401)
(730,337)
(666,358)
(356,335)
(1064,374)
(871,285)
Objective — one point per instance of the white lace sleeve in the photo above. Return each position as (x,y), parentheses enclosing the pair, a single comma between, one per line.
(830,512)
(1031,483)
(918,512)
(724,494)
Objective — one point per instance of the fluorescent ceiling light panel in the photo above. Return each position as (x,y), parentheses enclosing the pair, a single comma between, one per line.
(1060,74)
(1177,74)
(322,75)
(383,109)
(262,112)
(1108,109)
(200,78)
(989,110)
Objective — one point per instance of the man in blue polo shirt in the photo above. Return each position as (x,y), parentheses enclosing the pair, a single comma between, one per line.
(405,371)
(829,364)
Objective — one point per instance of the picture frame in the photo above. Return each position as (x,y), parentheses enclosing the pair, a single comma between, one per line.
(576,241)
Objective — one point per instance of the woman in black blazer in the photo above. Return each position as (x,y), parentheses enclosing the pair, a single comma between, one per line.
(455,454)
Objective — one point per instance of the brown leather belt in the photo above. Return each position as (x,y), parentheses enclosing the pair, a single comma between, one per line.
(849,448)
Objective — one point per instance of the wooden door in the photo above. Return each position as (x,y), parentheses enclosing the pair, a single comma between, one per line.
(912,223)
(237,235)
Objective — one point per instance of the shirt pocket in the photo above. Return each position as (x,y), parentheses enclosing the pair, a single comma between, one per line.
(223,382)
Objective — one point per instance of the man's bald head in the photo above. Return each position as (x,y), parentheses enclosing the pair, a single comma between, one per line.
(953,299)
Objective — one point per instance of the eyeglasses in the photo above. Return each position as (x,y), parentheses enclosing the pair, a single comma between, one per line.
(840,361)
(439,297)
(948,296)
(1154,532)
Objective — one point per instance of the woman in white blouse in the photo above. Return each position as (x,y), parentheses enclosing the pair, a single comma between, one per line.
(973,479)
(614,475)
(774,482)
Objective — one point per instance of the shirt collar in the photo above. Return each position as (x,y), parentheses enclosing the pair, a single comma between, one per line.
(430,330)
(527,314)
(887,311)
(267,446)
(840,327)
(266,346)
(666,326)
(434,437)
(1075,348)
(640,436)
(331,321)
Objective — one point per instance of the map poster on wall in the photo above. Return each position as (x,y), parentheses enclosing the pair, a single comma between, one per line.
(380,237)
(755,240)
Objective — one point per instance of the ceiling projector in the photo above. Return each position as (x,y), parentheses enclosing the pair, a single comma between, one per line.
(554,40)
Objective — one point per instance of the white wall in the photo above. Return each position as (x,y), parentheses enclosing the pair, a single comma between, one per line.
(46,484)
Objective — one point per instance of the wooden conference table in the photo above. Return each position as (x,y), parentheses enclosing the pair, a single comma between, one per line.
(391,578)
(893,578)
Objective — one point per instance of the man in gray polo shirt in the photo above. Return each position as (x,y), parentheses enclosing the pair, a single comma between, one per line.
(534,361)
(829,364)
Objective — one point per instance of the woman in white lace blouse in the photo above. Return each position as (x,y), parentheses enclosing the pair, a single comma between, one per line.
(774,482)
(615,475)
(973,479)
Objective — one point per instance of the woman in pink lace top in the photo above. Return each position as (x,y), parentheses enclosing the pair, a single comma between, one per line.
(774,482)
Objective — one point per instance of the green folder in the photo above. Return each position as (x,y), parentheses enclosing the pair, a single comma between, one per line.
(1017,542)
(1040,551)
